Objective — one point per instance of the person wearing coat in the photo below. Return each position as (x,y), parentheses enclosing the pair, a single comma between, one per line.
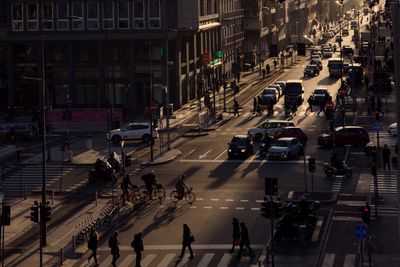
(92,244)
(114,245)
(137,245)
(244,241)
(235,234)
(186,242)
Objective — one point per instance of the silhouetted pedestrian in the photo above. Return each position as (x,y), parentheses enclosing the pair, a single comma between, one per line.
(92,244)
(244,241)
(137,245)
(263,73)
(254,105)
(379,105)
(268,68)
(321,108)
(114,245)
(310,101)
(235,234)
(186,241)
(386,156)
(366,82)
(236,108)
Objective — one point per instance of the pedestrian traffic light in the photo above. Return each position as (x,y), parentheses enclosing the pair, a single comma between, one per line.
(373,169)
(46,212)
(366,213)
(128,160)
(35,212)
(5,215)
(311,165)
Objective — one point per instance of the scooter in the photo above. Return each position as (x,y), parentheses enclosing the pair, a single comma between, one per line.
(343,170)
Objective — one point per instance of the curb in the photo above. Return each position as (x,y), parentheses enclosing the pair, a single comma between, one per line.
(160,161)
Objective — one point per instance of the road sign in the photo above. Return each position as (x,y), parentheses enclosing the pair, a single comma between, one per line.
(271,186)
(377,127)
(361,231)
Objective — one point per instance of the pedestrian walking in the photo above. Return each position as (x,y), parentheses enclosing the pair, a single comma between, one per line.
(268,69)
(125,187)
(137,245)
(371,103)
(244,241)
(259,102)
(114,245)
(235,234)
(386,157)
(310,101)
(186,241)
(366,82)
(263,73)
(236,108)
(92,245)
(275,63)
(321,108)
(254,105)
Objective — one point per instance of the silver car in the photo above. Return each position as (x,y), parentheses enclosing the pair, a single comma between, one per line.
(284,148)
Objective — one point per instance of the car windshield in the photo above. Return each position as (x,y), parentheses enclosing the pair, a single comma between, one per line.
(239,142)
(269,92)
(309,67)
(294,88)
(280,143)
(319,92)
(314,62)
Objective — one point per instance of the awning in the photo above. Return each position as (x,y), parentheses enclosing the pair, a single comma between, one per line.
(209,26)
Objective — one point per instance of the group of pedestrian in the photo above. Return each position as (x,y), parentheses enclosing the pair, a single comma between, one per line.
(240,237)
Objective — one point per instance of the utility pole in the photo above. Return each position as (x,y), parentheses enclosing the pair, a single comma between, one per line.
(151,104)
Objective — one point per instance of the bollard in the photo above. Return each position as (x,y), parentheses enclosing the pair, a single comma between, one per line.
(61,256)
(73,243)
(97,196)
(52,197)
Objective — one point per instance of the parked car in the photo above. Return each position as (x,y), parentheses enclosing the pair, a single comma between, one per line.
(317,57)
(284,148)
(347,50)
(327,53)
(22,130)
(268,126)
(292,132)
(132,131)
(311,70)
(348,135)
(240,146)
(271,93)
(319,95)
(392,129)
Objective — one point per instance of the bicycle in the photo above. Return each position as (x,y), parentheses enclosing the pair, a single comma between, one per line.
(158,192)
(189,196)
(133,196)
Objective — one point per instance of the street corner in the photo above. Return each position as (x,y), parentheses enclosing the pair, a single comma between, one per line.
(164,158)
(87,157)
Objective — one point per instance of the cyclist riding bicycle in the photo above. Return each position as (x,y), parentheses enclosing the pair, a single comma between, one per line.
(149,181)
(181,186)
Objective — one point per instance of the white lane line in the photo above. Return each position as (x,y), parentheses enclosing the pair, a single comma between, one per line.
(259,200)
(206,259)
(287,162)
(239,208)
(167,260)
(185,261)
(199,198)
(329,260)
(229,200)
(255,208)
(253,157)
(222,153)
(349,260)
(192,207)
(244,200)
(208,207)
(226,259)
(214,199)
(190,152)
(223,208)
(106,262)
(127,261)
(148,259)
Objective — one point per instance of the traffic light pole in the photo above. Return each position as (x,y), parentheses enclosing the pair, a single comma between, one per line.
(272,226)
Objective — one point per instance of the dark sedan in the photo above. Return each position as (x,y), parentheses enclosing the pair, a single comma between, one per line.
(240,146)
(348,135)
(292,132)
(311,70)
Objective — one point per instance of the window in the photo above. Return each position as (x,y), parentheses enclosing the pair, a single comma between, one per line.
(92,15)
(108,15)
(138,14)
(32,16)
(17,20)
(47,16)
(154,14)
(123,14)
(77,11)
(62,16)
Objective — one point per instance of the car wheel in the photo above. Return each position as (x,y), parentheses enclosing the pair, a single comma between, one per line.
(258,137)
(146,138)
(116,139)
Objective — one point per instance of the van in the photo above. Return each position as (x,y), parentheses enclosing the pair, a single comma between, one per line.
(294,91)
(22,130)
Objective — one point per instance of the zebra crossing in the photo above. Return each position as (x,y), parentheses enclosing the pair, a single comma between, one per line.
(384,138)
(165,259)
(387,182)
(337,185)
(29,177)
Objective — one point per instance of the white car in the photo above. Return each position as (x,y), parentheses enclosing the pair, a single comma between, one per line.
(268,126)
(284,148)
(271,93)
(132,131)
(327,52)
(392,129)
(316,57)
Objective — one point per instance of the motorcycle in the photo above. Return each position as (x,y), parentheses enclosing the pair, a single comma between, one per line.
(342,170)
(103,170)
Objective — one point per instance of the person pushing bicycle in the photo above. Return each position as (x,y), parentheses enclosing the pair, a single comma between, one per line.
(150,182)
(181,186)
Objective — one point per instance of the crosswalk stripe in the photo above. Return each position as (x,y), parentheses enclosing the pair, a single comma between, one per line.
(148,259)
(206,259)
(167,260)
(349,260)
(184,261)
(226,259)
(106,262)
(329,260)
(127,261)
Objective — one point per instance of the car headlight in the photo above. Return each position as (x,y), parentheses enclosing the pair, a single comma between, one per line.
(229,150)
(243,150)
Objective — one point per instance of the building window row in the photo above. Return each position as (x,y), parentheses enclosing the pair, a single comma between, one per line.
(104,14)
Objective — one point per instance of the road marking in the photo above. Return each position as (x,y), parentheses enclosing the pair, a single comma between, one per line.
(184,261)
(106,262)
(148,259)
(127,261)
(317,229)
(190,152)
(244,200)
(229,200)
(214,199)
(349,260)
(259,201)
(206,259)
(223,208)
(177,247)
(226,259)
(329,260)
(346,218)
(166,260)
(239,208)
(208,207)
(199,198)
(253,157)
(205,154)
(222,153)
(192,207)
(289,162)
(255,208)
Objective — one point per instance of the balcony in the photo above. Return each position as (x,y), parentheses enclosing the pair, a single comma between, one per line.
(209,17)
(235,14)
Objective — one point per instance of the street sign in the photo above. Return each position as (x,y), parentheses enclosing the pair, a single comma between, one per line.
(219,54)
(271,186)
(377,127)
(361,231)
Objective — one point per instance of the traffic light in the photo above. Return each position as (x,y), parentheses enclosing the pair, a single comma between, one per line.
(46,213)
(373,169)
(366,213)
(311,165)
(5,215)
(128,160)
(35,212)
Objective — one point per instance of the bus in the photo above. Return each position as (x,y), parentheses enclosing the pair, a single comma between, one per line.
(335,66)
